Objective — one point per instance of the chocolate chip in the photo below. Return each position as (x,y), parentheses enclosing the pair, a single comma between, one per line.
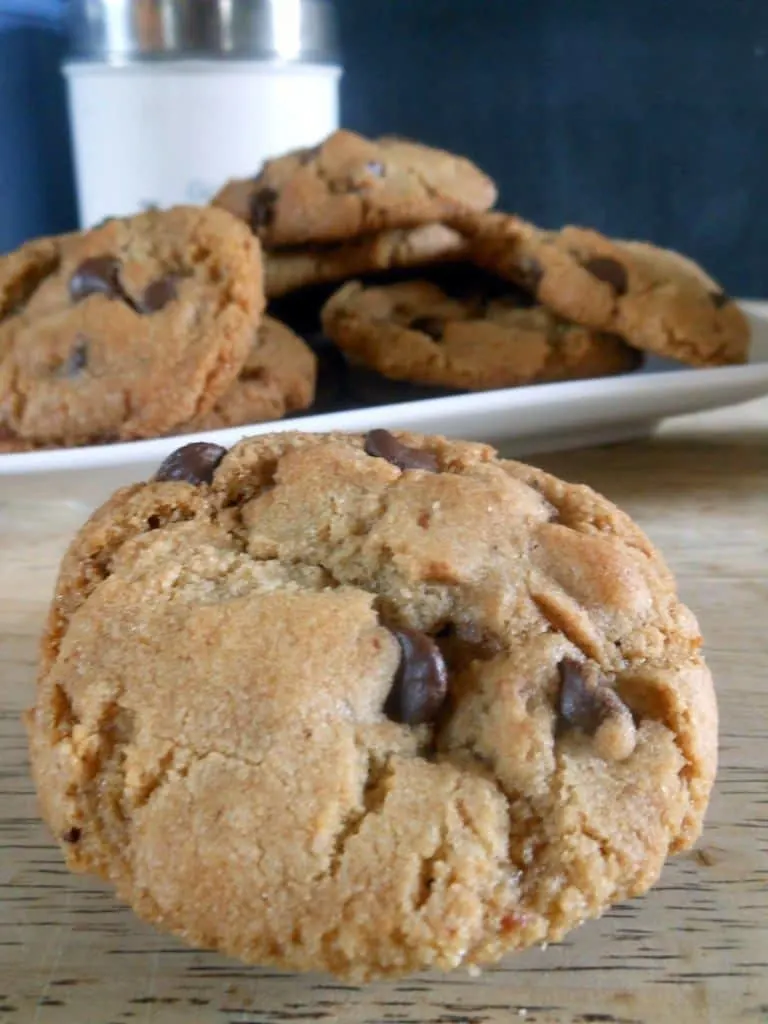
(421,681)
(430,325)
(76,361)
(72,835)
(609,270)
(158,294)
(194,463)
(375,168)
(719,299)
(97,275)
(262,207)
(101,275)
(531,272)
(582,705)
(382,445)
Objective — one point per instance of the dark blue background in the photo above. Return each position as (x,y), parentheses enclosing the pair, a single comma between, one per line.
(36,178)
(644,118)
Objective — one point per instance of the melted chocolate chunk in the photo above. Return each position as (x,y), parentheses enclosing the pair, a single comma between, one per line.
(97,275)
(719,299)
(101,275)
(583,706)
(382,445)
(262,207)
(421,682)
(195,463)
(72,835)
(158,294)
(429,325)
(76,361)
(606,269)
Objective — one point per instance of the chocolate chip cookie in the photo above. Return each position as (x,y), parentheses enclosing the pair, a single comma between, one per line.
(128,330)
(415,331)
(656,299)
(350,186)
(369,704)
(288,269)
(278,377)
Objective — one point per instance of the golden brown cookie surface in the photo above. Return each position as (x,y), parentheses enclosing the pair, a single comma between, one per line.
(350,186)
(369,704)
(286,270)
(277,378)
(415,331)
(127,330)
(656,299)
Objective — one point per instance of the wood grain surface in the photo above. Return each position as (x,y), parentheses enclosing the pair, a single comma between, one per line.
(694,951)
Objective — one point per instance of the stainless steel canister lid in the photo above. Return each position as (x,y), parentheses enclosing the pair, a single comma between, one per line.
(124,31)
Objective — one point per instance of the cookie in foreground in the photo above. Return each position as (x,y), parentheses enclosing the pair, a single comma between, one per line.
(369,704)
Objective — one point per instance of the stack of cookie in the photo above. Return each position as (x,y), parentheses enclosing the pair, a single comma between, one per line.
(354,206)
(450,295)
(154,325)
(144,326)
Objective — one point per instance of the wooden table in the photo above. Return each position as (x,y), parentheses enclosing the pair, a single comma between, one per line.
(694,951)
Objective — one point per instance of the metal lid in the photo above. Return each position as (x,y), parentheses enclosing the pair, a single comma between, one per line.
(123,31)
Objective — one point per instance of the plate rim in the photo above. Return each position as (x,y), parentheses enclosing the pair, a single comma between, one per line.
(751,384)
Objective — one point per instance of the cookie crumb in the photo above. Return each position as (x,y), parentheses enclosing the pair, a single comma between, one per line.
(705,856)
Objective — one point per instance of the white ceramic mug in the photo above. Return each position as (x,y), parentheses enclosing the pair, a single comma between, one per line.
(164,112)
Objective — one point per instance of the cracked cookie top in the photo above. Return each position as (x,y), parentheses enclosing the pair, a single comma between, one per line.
(349,186)
(369,704)
(656,299)
(127,330)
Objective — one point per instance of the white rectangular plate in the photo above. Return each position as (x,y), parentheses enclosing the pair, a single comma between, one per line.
(523,420)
